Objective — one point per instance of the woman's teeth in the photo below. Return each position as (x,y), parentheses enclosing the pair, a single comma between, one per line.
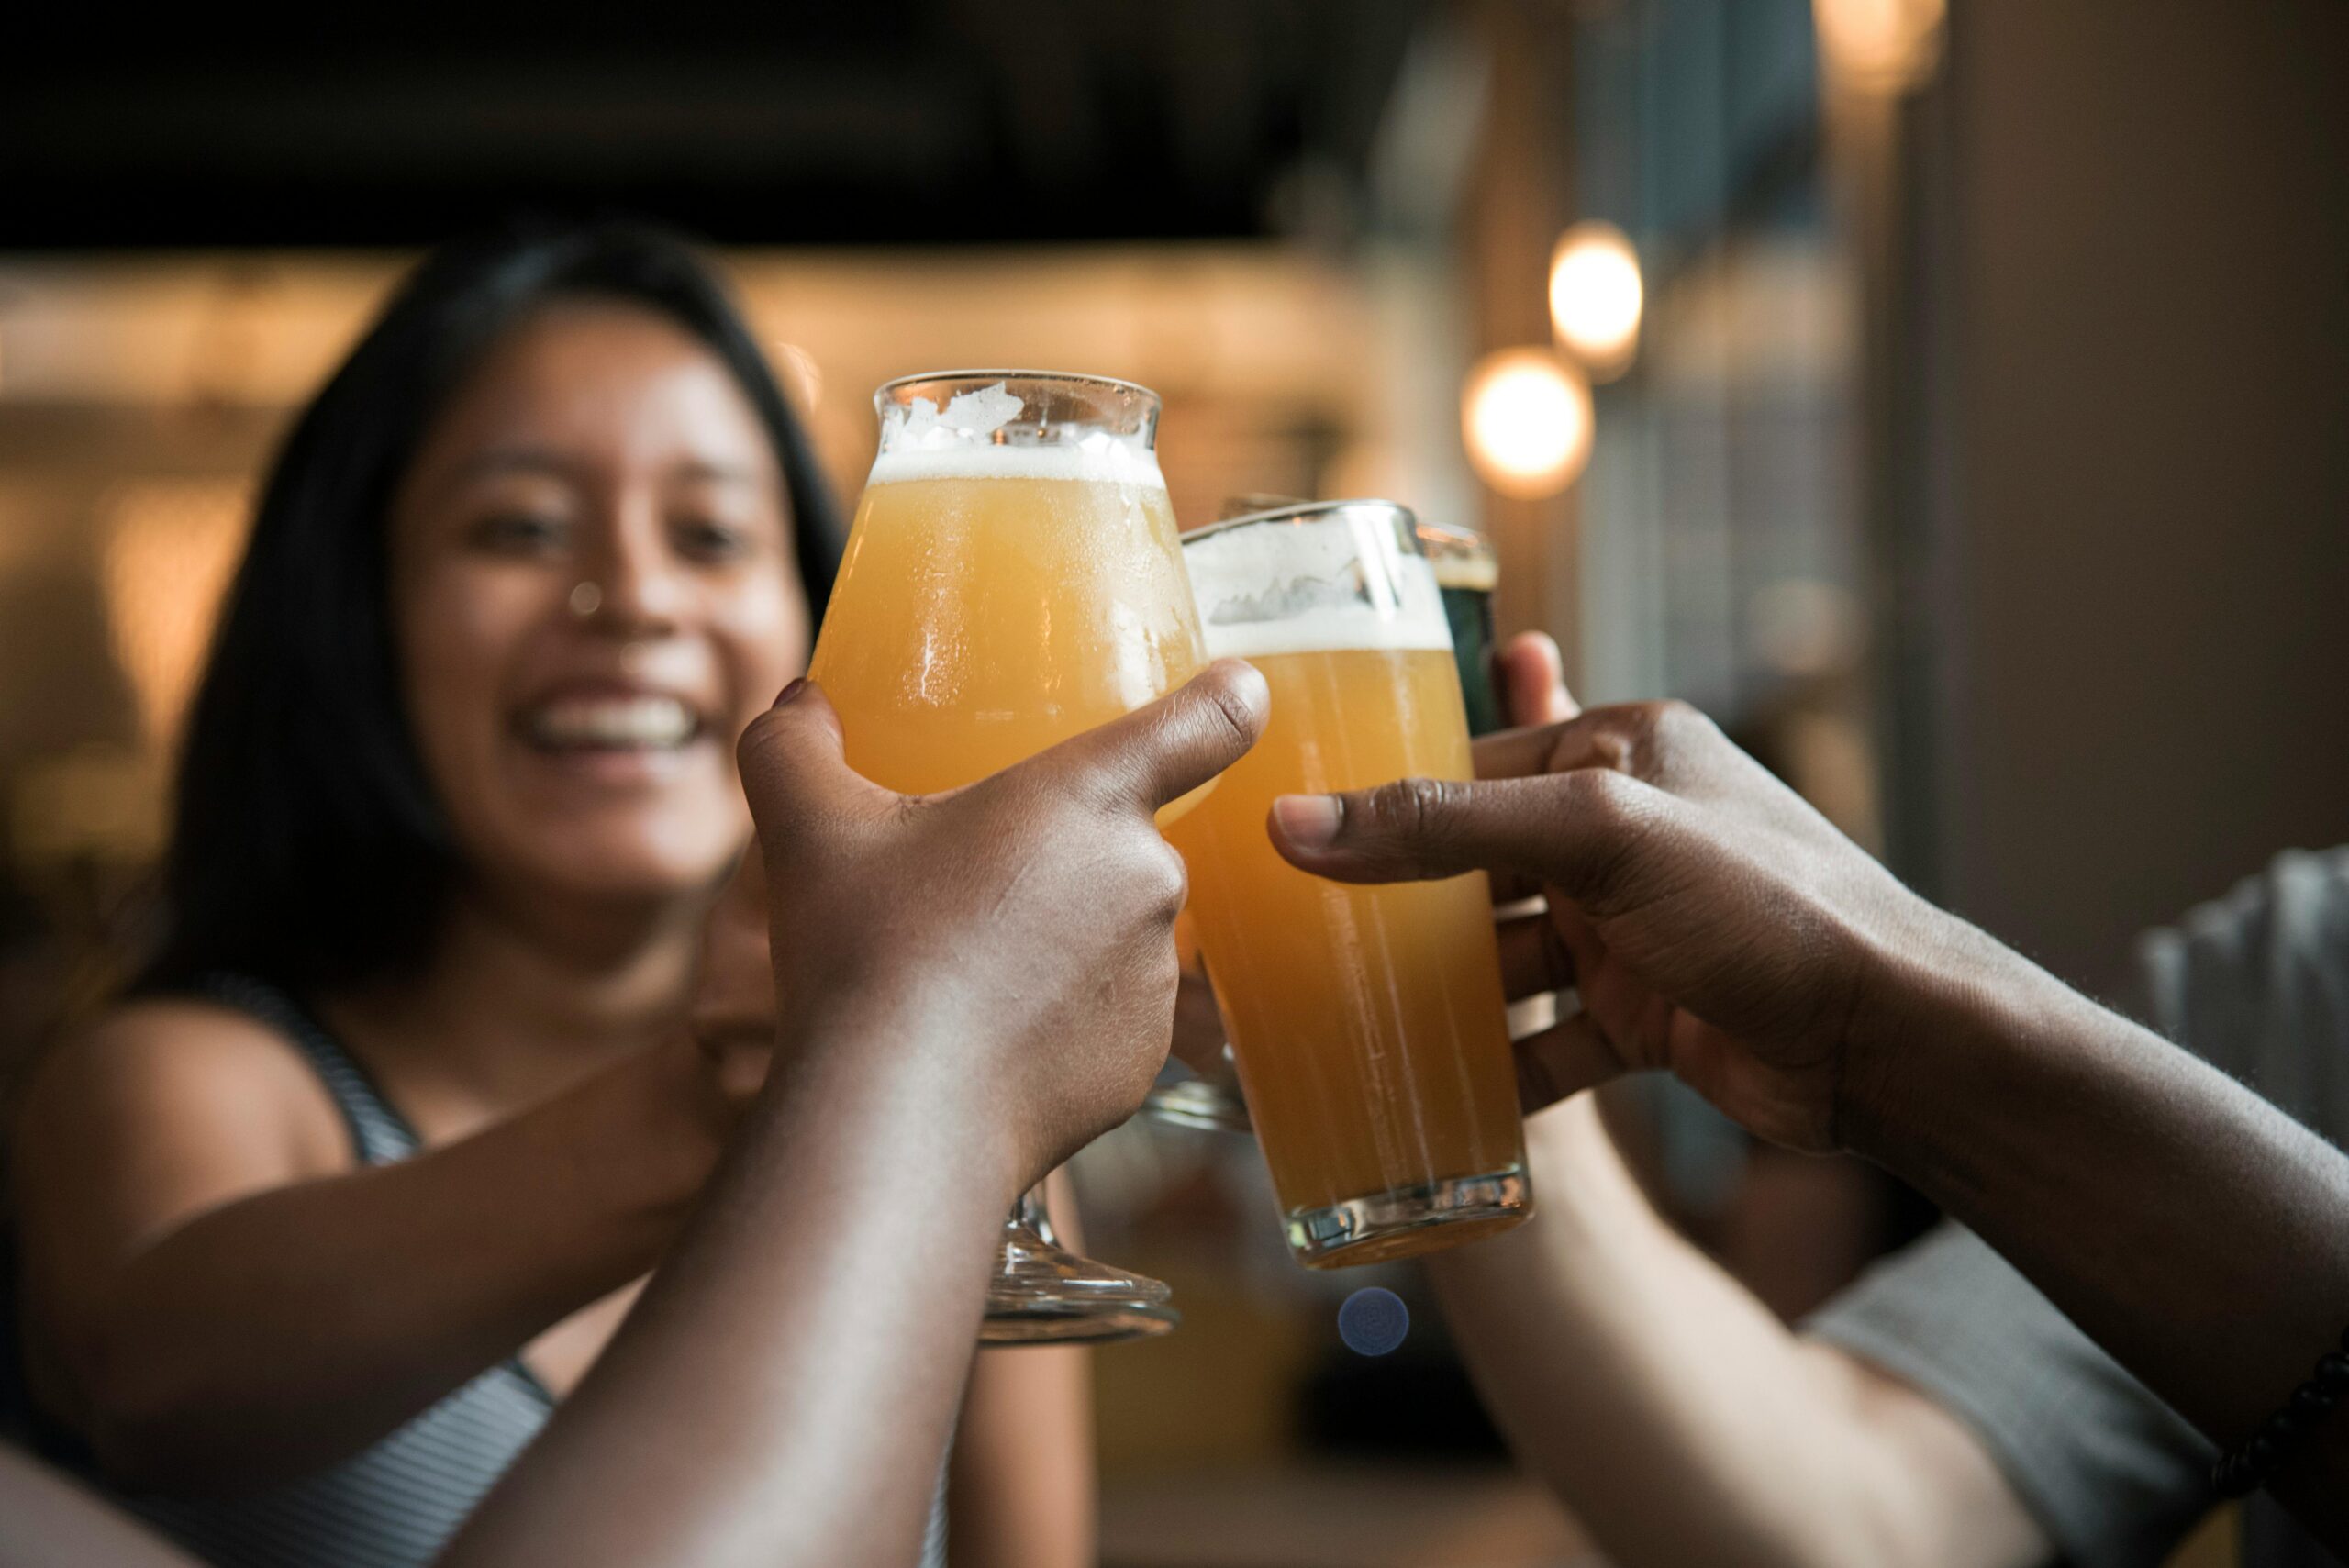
(635,722)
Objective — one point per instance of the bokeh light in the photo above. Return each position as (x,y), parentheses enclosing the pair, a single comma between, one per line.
(1596,297)
(1374,1322)
(1525,416)
(1880,45)
(171,548)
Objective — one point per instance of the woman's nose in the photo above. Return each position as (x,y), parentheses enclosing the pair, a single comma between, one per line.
(644,587)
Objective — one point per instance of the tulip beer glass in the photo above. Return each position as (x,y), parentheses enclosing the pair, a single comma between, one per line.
(1012,578)
(1367,1022)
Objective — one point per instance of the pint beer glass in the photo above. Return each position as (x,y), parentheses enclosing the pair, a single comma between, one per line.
(1367,1022)
(1466,570)
(1012,579)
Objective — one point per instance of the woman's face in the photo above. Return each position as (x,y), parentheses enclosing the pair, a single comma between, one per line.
(594,590)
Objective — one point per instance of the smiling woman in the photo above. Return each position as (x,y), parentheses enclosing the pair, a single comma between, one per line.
(530,401)
(585,624)
(319,1223)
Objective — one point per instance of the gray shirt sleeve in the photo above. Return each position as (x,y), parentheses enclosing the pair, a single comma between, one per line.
(2257,983)
(2110,1473)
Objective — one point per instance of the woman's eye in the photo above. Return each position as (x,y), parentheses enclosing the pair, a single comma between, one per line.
(701,539)
(521,533)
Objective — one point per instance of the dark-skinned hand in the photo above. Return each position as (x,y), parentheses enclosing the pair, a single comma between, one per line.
(1027,919)
(1714,924)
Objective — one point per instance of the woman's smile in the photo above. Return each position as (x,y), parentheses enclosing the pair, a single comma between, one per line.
(616,734)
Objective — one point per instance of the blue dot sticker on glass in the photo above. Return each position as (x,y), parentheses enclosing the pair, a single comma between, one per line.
(1374,1322)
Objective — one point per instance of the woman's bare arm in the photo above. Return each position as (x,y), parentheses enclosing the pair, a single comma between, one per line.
(215,1297)
(46,1521)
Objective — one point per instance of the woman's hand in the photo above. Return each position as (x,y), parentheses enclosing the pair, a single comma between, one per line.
(733,1018)
(1018,934)
(1713,923)
(1198,1027)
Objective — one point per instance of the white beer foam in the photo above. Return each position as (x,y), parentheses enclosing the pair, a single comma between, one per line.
(1111,463)
(969,415)
(1305,588)
(921,440)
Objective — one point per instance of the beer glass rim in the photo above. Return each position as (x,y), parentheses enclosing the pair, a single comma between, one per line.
(1451,534)
(1302,510)
(1079,377)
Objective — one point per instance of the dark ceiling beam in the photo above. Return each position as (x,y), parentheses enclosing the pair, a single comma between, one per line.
(942,121)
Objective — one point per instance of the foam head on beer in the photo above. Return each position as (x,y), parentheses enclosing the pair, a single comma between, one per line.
(1342,582)
(963,440)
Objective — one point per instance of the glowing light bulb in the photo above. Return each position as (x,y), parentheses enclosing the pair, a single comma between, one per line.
(1880,45)
(1525,416)
(1596,297)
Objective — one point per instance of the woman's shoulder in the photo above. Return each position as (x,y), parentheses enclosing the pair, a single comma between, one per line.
(181,1035)
(185,1060)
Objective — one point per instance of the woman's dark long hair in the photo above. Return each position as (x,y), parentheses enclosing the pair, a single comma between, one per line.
(306,845)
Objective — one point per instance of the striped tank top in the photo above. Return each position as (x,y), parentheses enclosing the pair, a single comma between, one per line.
(396,1504)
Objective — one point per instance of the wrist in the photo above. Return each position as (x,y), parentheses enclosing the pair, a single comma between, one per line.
(634,1145)
(1943,1006)
(876,1060)
(681,1110)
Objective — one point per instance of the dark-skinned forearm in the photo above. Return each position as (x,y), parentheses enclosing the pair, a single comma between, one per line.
(782,1393)
(2196,1232)
(283,1331)
(1020,1483)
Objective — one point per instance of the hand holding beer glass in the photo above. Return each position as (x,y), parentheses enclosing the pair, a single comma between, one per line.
(1012,578)
(1367,1022)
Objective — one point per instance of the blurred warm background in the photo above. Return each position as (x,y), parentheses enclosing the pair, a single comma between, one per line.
(1953,406)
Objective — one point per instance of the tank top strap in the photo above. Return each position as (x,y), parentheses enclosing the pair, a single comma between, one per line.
(379,1133)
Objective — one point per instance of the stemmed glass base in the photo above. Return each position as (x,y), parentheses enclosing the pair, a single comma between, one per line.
(1044,1294)
(1208,1103)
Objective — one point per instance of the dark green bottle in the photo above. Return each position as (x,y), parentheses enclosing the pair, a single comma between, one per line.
(1465,570)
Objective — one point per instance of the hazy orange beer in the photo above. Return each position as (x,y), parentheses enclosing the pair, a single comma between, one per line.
(996,598)
(1012,578)
(1368,1023)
